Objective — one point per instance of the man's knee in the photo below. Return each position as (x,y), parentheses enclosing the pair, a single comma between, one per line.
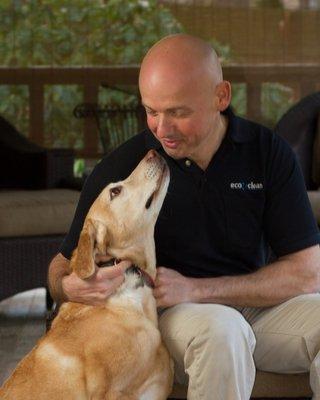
(227,331)
(207,340)
(212,326)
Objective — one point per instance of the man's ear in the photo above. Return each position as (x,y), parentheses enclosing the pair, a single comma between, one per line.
(93,239)
(223,95)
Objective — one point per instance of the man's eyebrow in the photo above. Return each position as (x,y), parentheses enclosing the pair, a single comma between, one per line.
(179,107)
(145,105)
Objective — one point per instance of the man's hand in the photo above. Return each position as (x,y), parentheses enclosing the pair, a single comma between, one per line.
(172,288)
(96,289)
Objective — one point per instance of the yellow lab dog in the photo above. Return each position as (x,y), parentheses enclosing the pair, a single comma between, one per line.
(113,351)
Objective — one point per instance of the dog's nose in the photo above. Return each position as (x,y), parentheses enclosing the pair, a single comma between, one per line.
(151,155)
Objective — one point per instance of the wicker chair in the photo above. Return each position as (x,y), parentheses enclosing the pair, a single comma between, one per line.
(115,124)
(300,126)
(33,172)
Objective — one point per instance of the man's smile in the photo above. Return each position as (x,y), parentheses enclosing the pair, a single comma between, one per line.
(171,143)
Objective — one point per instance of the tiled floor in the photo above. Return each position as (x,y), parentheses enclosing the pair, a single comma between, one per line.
(22,323)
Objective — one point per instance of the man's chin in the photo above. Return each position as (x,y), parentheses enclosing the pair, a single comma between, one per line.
(174,153)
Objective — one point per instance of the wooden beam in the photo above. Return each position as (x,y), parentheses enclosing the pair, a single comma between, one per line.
(91,138)
(306,78)
(36,113)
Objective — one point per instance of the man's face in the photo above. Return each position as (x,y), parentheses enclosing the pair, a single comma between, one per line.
(180,113)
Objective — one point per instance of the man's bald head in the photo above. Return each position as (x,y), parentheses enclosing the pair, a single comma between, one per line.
(183,92)
(182,56)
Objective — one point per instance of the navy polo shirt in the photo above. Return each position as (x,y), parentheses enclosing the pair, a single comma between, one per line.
(221,221)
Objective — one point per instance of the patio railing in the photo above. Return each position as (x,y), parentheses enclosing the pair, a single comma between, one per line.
(303,78)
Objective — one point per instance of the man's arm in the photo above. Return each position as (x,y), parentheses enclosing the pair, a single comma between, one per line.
(292,275)
(58,268)
(65,285)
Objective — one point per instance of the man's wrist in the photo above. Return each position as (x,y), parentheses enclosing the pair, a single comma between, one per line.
(58,269)
(196,290)
(63,295)
(203,289)
(56,287)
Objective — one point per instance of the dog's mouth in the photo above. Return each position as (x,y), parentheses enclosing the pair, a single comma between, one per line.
(149,201)
(145,277)
(164,172)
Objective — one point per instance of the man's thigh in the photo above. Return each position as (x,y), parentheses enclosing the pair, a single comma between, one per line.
(188,323)
(287,335)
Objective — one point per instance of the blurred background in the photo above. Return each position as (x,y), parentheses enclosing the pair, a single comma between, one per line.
(68,94)
(57,54)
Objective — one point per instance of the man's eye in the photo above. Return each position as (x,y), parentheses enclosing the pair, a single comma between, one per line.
(115,191)
(179,113)
(151,112)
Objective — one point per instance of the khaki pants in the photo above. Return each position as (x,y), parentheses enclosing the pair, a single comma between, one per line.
(216,348)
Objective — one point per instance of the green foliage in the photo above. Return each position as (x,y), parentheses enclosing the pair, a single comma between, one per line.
(80,32)
(275,101)
(275,97)
(224,51)
(239,98)
(14,105)
(95,32)
(71,33)
(79,167)
(61,128)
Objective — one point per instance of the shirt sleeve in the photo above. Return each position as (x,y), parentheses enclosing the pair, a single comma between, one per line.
(288,218)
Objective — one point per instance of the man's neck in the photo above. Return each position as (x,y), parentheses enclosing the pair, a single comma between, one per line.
(211,146)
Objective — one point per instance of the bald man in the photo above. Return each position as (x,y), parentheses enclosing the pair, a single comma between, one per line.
(235,191)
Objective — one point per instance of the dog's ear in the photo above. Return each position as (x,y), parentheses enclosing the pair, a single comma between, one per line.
(93,240)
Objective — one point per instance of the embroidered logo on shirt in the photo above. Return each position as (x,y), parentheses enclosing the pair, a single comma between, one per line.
(246,185)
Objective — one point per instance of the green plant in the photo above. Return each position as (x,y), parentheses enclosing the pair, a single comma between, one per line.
(276,98)
(79,167)
(71,33)
(95,32)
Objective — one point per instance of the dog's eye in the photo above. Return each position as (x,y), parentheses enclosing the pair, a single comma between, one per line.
(115,191)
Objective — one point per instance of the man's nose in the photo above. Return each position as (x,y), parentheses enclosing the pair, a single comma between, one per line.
(164,126)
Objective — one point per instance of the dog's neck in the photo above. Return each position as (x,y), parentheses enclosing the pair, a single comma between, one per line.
(142,255)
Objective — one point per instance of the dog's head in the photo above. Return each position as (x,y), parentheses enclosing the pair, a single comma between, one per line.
(120,223)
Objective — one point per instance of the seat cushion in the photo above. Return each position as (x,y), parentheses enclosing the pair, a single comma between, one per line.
(36,212)
(267,385)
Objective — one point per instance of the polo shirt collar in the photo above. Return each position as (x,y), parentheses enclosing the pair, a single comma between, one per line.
(238,130)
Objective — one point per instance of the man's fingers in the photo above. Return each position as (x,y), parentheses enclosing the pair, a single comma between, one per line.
(115,283)
(124,265)
(102,258)
(113,272)
(158,292)
(97,288)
